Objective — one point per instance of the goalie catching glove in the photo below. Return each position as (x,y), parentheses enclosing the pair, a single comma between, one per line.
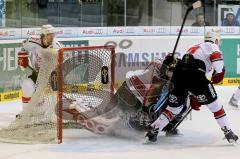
(23,59)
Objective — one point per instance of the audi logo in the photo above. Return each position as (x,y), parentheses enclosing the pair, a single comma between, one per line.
(130,30)
(195,30)
(98,31)
(161,30)
(229,30)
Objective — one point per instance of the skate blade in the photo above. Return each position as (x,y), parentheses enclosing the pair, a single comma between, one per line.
(231,141)
(235,106)
(148,142)
(174,135)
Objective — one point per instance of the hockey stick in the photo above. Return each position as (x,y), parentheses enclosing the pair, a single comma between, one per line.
(195,5)
(173,126)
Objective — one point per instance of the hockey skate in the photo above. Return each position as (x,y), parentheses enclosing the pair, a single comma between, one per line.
(151,136)
(233,101)
(230,136)
(173,132)
(18,116)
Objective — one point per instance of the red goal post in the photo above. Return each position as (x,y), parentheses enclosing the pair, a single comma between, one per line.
(61,52)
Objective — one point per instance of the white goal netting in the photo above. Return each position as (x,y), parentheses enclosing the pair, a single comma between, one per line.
(65,77)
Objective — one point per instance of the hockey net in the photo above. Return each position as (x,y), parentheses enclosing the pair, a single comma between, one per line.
(65,76)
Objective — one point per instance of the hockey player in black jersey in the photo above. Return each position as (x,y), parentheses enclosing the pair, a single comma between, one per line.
(189,77)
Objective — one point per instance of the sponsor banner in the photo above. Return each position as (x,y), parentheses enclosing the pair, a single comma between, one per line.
(238,65)
(10,33)
(60,32)
(224,30)
(154,30)
(190,31)
(223,10)
(118,31)
(132,53)
(230,82)
(26,32)
(11,74)
(66,32)
(136,52)
(231,54)
(79,32)
(8,96)
(93,31)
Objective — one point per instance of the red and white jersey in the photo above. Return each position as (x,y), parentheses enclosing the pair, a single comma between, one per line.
(33,46)
(210,54)
(140,81)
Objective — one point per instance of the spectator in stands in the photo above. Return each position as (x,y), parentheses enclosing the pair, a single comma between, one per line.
(200,20)
(230,20)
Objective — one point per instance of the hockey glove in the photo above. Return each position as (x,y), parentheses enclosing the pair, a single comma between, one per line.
(23,59)
(194,103)
(170,61)
(217,78)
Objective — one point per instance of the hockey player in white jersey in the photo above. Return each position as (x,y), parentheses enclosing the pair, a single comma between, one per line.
(189,76)
(235,99)
(30,56)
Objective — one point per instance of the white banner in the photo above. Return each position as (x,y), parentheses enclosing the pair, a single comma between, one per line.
(92,31)
(11,33)
(148,44)
(80,32)
(136,52)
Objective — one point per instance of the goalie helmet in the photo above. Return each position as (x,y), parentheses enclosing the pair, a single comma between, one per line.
(47,29)
(212,36)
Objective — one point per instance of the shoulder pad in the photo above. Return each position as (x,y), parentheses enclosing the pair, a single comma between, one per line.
(57,44)
(215,48)
(34,39)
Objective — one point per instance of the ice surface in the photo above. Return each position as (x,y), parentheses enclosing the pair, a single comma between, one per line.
(201,138)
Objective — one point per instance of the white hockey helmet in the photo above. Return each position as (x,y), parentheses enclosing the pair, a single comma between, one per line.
(47,29)
(212,36)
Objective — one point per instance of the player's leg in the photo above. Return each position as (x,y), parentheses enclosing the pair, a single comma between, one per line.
(219,113)
(206,95)
(175,105)
(235,99)
(28,88)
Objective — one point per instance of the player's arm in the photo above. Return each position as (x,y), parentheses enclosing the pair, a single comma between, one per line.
(218,66)
(23,57)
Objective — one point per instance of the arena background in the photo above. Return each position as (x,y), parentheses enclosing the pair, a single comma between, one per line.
(140,33)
